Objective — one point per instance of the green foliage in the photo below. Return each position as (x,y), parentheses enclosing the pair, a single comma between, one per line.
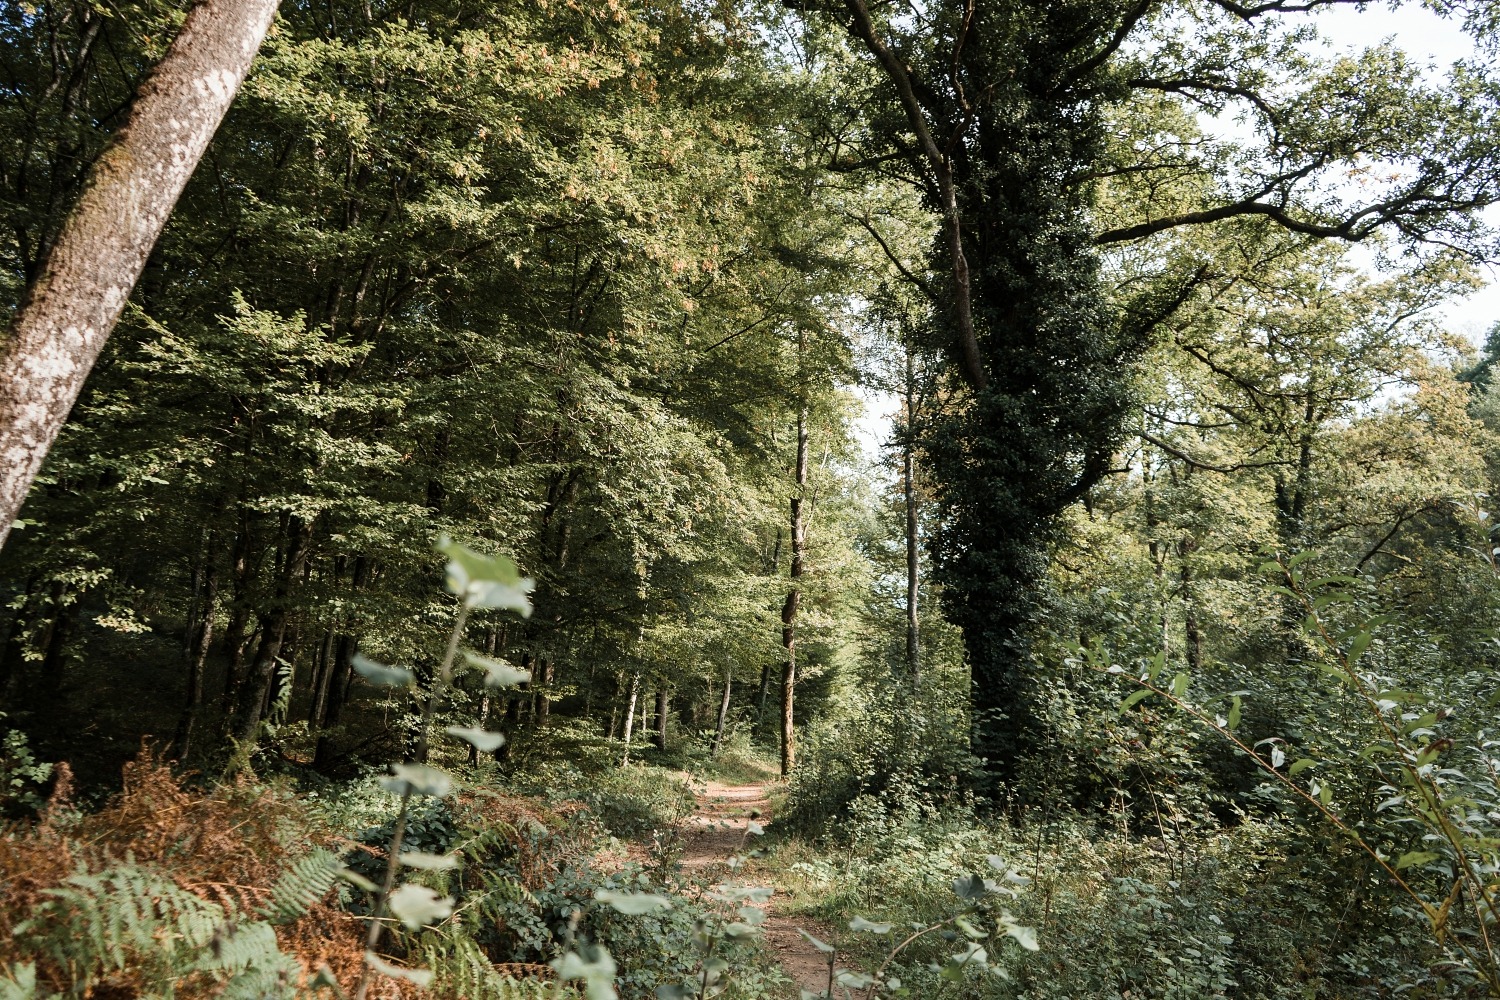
(131,922)
(21,774)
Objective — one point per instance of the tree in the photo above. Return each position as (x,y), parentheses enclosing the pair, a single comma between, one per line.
(1043,138)
(88,272)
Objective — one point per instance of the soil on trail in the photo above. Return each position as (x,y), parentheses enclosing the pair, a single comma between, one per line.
(718,830)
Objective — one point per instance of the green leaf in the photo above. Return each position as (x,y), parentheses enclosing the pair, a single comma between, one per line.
(860,924)
(822,946)
(1300,765)
(421,978)
(417,906)
(428,862)
(497,673)
(1134,700)
(1234,713)
(969,886)
(381,675)
(633,904)
(1180,686)
(1357,646)
(597,973)
(486,581)
(483,740)
(1024,936)
(1158,664)
(1411,858)
(418,779)
(355,878)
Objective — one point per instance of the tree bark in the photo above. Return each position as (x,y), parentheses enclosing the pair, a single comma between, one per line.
(793,600)
(76,299)
(199,639)
(713,751)
(274,627)
(909,489)
(635,690)
(663,703)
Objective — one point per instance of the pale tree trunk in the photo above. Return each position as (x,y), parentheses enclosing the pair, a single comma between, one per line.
(635,691)
(76,299)
(793,599)
(909,488)
(723,714)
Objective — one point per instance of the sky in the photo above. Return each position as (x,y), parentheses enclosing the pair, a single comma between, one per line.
(1441,41)
(1425,36)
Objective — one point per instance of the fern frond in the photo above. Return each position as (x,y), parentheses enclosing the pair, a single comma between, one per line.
(137,922)
(302,887)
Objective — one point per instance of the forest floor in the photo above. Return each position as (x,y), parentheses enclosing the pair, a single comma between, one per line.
(718,830)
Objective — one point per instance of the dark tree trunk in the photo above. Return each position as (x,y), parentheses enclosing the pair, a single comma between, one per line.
(663,704)
(73,304)
(909,491)
(200,634)
(274,626)
(793,600)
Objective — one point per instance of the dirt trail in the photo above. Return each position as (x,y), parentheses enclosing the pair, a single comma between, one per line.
(717,831)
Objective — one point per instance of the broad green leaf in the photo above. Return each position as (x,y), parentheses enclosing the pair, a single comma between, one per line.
(597,972)
(752,915)
(355,878)
(969,886)
(1024,936)
(738,929)
(1300,765)
(483,740)
(1180,686)
(428,862)
(485,581)
(498,673)
(860,924)
(418,779)
(381,675)
(1411,858)
(1357,646)
(417,906)
(1233,722)
(421,978)
(850,979)
(969,928)
(822,946)
(633,904)
(1134,699)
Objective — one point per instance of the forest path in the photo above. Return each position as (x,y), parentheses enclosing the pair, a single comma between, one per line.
(718,830)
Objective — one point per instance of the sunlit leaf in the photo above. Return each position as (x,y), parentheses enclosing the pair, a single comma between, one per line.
(381,675)
(417,906)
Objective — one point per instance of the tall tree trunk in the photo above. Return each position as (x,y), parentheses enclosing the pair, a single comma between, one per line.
(1192,632)
(548,670)
(274,628)
(909,491)
(793,600)
(713,750)
(200,633)
(635,690)
(663,703)
(74,303)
